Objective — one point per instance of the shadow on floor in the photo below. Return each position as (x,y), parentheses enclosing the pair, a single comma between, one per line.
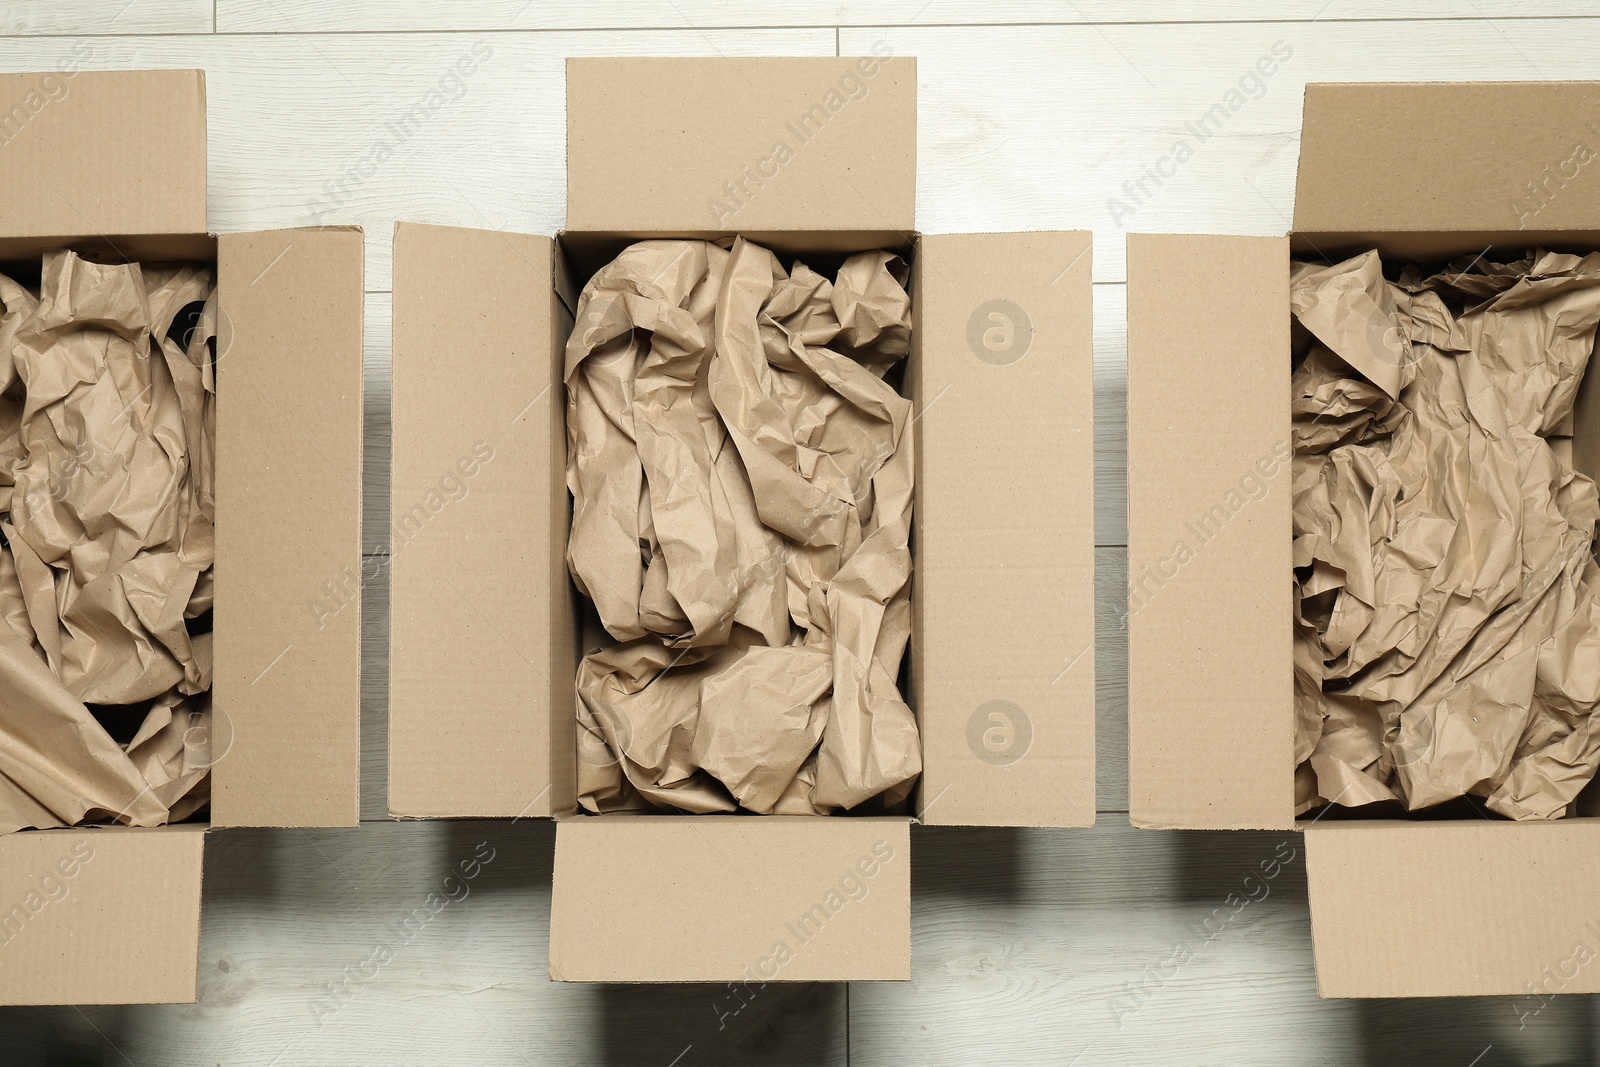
(692,1025)
(1480,1031)
(63,1037)
(979,864)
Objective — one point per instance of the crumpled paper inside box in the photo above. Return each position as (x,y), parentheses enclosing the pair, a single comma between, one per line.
(1447,641)
(107,438)
(741,472)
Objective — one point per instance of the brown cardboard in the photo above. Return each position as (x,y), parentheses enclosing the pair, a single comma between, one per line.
(1211,688)
(1448,157)
(479,597)
(731,899)
(1402,908)
(288,614)
(484,652)
(1003,676)
(1585,445)
(114,163)
(102,152)
(100,916)
(1450,909)
(755,146)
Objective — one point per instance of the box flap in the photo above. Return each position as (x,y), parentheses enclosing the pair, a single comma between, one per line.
(1457,908)
(102,152)
(1003,374)
(1210,657)
(705,898)
(481,607)
(100,915)
(1491,156)
(287,688)
(741,145)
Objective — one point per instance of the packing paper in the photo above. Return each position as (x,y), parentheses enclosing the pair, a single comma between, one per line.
(107,420)
(741,472)
(1447,641)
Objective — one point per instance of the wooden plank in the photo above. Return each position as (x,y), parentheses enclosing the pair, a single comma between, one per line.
(377,364)
(1110,415)
(1111,680)
(307,16)
(105,17)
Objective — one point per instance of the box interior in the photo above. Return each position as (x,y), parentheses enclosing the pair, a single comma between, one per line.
(1432,249)
(20,261)
(579,255)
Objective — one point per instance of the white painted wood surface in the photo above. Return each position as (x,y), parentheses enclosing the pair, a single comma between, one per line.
(107,17)
(306,16)
(1029,945)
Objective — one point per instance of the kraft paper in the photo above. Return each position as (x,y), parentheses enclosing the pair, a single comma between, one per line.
(741,473)
(1448,629)
(107,433)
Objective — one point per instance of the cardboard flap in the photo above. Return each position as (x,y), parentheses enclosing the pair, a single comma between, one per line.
(1210,657)
(100,915)
(481,610)
(1003,373)
(697,898)
(287,680)
(745,145)
(86,153)
(1484,156)
(1458,908)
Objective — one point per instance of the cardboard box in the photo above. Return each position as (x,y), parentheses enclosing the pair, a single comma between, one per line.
(1426,172)
(813,156)
(115,163)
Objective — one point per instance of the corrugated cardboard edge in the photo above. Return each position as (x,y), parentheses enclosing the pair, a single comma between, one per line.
(661,898)
(1210,660)
(287,681)
(101,915)
(1004,665)
(742,144)
(86,153)
(1454,908)
(562,600)
(1448,156)
(478,526)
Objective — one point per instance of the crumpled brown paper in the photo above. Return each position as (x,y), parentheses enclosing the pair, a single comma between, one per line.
(1447,642)
(107,435)
(741,475)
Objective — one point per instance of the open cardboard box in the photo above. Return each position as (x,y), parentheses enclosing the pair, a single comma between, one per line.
(485,637)
(1421,171)
(114,163)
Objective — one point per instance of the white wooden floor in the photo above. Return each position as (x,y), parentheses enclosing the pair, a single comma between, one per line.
(1033,115)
